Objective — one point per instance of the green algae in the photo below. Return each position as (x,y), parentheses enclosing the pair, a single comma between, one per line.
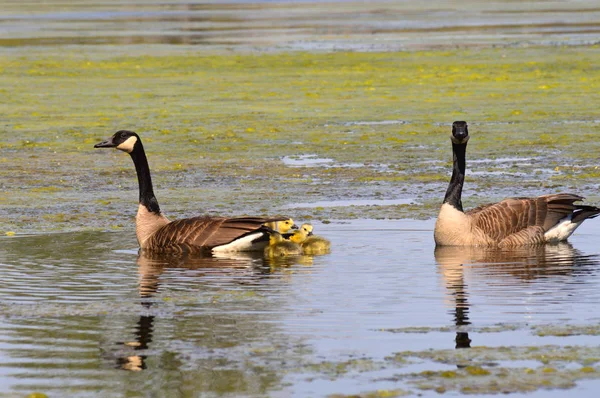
(478,370)
(218,123)
(482,356)
(374,394)
(567,330)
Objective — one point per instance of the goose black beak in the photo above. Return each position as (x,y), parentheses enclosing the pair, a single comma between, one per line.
(460,132)
(310,233)
(106,144)
(295,226)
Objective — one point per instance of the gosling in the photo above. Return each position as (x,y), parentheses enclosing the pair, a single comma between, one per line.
(282,226)
(315,244)
(300,235)
(279,246)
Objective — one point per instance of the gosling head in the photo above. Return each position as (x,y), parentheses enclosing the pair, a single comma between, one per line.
(306,229)
(285,225)
(123,140)
(460,133)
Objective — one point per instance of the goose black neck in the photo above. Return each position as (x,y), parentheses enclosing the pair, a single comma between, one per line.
(454,192)
(140,161)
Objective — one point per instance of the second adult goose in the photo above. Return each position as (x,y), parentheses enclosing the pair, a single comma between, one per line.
(156,233)
(511,222)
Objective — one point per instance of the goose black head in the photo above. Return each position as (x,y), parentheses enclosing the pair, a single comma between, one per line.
(460,133)
(123,140)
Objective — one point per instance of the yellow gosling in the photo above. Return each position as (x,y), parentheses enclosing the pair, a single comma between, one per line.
(281,226)
(316,245)
(279,247)
(300,235)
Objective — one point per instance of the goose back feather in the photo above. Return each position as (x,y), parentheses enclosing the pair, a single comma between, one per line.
(523,221)
(206,233)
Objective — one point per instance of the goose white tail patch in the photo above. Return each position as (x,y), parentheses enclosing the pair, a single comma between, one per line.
(561,231)
(243,244)
(128,144)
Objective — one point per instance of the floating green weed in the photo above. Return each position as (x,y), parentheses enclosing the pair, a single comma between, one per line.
(223,122)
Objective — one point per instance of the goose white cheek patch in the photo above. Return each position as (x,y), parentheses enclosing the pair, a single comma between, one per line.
(127,145)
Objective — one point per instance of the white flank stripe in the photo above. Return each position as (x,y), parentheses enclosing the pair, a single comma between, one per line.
(561,231)
(243,244)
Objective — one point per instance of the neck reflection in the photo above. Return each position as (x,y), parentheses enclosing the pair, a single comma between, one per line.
(518,265)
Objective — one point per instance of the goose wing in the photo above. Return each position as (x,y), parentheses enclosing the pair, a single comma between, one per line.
(530,218)
(206,232)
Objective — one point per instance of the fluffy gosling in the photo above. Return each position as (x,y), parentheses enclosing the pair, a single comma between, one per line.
(300,235)
(282,226)
(279,246)
(315,244)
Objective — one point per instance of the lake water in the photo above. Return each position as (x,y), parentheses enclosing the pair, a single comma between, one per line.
(297,25)
(84,315)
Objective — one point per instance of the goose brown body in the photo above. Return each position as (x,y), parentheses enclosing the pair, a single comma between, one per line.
(156,233)
(509,223)
(203,233)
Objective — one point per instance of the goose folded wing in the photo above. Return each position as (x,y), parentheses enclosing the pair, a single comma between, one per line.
(207,232)
(510,216)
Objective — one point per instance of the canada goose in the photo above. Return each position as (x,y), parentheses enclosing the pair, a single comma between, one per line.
(155,233)
(511,222)
(279,246)
(282,226)
(300,235)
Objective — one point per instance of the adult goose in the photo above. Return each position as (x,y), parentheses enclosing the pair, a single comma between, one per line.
(509,223)
(155,233)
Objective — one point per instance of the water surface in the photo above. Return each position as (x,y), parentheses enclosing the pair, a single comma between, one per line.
(84,315)
(298,25)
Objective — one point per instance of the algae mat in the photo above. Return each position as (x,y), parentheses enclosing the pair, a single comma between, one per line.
(275,133)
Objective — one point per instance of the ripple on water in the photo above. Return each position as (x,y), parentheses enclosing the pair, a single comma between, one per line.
(83,314)
(311,160)
(350,202)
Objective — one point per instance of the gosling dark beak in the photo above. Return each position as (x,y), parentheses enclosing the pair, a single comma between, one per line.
(106,144)
(294,226)
(310,233)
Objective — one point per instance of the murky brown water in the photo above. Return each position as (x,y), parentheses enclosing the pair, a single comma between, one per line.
(83,315)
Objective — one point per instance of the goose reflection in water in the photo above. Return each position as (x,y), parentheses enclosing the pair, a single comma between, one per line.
(514,267)
(150,268)
(239,268)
